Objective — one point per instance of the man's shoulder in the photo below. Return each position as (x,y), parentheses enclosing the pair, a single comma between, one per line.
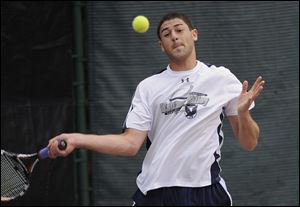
(217,71)
(155,76)
(152,79)
(215,68)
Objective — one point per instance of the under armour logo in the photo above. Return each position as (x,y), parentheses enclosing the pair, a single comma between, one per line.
(187,80)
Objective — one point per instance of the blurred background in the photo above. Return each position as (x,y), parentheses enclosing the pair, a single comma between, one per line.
(73,67)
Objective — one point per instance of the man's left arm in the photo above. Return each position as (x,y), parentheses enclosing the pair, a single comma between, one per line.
(244,127)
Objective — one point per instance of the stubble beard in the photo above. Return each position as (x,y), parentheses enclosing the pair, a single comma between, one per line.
(179,56)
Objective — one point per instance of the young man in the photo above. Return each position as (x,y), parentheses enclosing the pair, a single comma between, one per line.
(180,112)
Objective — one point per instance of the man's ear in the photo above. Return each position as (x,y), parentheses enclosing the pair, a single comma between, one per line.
(195,34)
(161,47)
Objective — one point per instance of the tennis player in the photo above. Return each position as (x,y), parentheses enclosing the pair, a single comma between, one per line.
(180,113)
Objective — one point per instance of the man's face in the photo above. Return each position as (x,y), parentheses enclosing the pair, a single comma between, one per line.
(177,40)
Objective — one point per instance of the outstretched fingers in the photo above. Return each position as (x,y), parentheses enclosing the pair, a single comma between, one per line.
(245,87)
(257,87)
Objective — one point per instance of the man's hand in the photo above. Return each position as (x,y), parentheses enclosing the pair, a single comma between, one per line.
(247,97)
(53,145)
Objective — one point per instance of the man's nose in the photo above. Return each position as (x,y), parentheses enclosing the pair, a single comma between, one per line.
(174,35)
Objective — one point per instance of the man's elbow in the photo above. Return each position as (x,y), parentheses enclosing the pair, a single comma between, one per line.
(132,151)
(251,141)
(250,148)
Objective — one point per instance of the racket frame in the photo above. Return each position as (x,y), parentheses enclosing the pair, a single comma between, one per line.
(27,169)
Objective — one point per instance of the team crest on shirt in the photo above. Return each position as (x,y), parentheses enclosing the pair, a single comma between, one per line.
(184,100)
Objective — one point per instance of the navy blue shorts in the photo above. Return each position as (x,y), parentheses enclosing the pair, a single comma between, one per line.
(213,195)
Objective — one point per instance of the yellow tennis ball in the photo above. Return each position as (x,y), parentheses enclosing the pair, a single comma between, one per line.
(140,24)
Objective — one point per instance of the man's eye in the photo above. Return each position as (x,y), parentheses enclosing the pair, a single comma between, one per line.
(179,30)
(166,35)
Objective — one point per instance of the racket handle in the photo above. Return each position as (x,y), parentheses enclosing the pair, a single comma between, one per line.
(44,153)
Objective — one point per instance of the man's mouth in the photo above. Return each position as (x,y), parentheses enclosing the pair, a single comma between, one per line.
(177,45)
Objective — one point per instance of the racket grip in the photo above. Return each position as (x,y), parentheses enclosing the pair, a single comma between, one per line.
(44,153)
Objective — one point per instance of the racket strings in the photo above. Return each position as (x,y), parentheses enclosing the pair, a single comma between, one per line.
(13,178)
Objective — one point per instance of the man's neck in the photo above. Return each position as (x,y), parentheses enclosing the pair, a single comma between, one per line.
(183,65)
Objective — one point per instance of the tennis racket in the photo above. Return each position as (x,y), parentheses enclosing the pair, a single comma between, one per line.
(16,170)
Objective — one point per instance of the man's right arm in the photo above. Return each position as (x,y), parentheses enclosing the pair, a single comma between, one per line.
(126,144)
